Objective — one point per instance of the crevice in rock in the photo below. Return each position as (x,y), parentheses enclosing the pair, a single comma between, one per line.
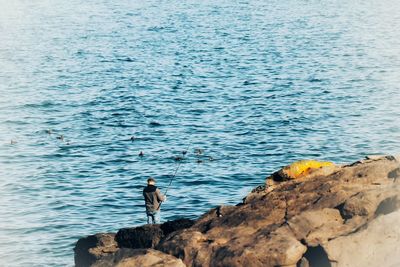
(387,206)
(317,257)
(353,231)
(318,199)
(286,210)
(353,164)
(345,216)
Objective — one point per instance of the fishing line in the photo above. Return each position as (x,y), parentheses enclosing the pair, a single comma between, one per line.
(176,171)
(177,168)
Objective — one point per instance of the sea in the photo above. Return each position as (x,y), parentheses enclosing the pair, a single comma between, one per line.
(221,93)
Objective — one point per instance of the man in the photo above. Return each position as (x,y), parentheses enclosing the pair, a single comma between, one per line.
(153,198)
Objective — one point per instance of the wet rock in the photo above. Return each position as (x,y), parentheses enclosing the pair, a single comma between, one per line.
(92,248)
(139,258)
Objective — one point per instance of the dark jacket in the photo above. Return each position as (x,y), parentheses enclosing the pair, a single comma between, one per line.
(153,198)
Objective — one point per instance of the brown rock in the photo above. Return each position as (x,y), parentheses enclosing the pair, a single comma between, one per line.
(316,226)
(139,258)
(368,203)
(291,223)
(91,248)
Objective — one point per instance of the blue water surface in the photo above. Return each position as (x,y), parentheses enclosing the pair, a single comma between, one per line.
(255,84)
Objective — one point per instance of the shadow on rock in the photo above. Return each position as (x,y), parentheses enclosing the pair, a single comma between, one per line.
(148,236)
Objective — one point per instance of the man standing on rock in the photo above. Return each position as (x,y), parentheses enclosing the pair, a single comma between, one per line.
(153,198)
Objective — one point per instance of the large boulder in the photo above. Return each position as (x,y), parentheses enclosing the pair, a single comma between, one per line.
(91,248)
(139,258)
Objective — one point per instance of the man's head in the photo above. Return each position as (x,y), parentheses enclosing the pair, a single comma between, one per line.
(151,181)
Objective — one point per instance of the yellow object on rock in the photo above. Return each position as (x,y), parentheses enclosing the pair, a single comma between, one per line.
(303,167)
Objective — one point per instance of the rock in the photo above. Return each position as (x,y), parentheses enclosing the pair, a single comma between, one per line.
(179,224)
(291,223)
(94,248)
(139,258)
(91,248)
(303,263)
(316,226)
(146,236)
(377,244)
(184,244)
(371,203)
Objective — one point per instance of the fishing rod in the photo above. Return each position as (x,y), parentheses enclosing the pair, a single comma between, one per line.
(176,171)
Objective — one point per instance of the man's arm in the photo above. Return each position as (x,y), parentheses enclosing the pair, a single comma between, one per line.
(159,195)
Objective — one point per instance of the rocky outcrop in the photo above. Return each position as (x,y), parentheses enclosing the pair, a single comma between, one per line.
(333,216)
(134,243)
(293,222)
(92,248)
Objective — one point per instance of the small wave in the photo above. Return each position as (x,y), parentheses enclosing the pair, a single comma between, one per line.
(155,124)
(126,59)
(43,104)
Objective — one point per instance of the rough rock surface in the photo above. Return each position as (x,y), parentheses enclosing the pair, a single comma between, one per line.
(139,258)
(377,243)
(148,236)
(91,248)
(294,222)
(341,216)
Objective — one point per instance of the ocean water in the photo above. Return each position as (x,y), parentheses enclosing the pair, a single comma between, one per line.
(254,84)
